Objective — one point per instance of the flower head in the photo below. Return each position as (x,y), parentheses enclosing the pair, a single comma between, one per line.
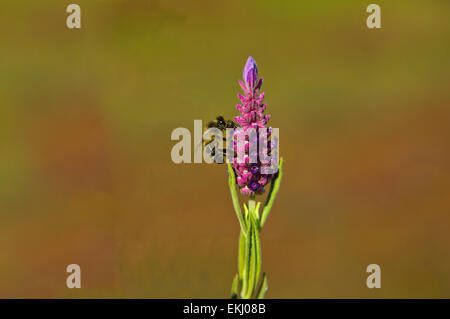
(249,172)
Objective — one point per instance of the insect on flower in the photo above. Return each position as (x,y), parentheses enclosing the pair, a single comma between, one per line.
(252,120)
(209,143)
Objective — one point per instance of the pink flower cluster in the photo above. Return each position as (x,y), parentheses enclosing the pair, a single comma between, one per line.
(249,173)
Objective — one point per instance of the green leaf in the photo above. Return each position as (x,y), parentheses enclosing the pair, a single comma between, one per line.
(234,287)
(258,204)
(274,187)
(234,197)
(257,253)
(247,262)
(241,257)
(245,214)
(262,288)
(254,262)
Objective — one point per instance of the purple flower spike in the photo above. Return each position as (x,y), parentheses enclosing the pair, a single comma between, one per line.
(248,174)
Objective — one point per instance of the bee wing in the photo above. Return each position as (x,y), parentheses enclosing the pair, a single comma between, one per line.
(212,124)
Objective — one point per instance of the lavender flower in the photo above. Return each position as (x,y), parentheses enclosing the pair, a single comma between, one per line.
(249,170)
(248,174)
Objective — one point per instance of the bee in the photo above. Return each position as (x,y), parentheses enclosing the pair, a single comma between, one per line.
(221,124)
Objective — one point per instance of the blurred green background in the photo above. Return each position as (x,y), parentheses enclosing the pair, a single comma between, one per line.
(86,175)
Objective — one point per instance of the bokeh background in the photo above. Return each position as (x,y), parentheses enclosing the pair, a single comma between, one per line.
(86,175)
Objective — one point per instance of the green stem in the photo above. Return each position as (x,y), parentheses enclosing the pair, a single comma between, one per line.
(234,197)
(252,204)
(250,257)
(247,263)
